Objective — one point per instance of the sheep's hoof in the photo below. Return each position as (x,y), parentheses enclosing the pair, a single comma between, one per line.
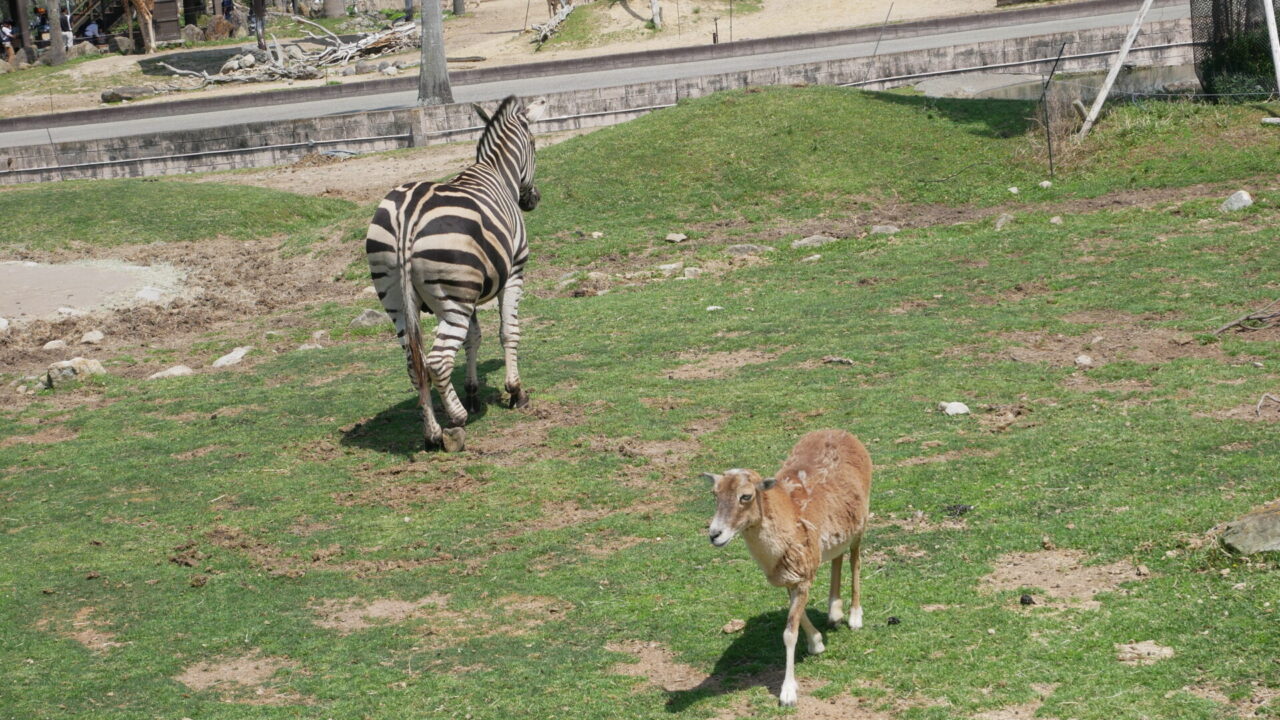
(787,698)
(455,439)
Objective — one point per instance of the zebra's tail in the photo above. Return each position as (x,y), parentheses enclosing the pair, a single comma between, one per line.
(413,332)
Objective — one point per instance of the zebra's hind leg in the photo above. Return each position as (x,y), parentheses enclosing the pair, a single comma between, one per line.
(455,322)
(471,344)
(510,336)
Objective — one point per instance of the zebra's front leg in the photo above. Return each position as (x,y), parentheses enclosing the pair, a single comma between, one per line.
(510,336)
(450,334)
(472,343)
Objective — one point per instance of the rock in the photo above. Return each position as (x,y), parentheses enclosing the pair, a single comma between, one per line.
(218,28)
(676,237)
(1146,652)
(1142,570)
(836,360)
(230,66)
(6,67)
(121,44)
(692,273)
(1238,200)
(192,35)
(1046,184)
(78,367)
(88,49)
(310,346)
(1026,600)
(597,276)
(893,620)
(232,358)
(384,65)
(71,312)
(93,337)
(1013,191)
(713,308)
(149,294)
(1271,121)
(248,60)
(1084,361)
(815,241)
(348,71)
(747,249)
(364,66)
(4,324)
(128,92)
(294,52)
(1004,219)
(597,235)
(1055,220)
(390,70)
(954,408)
(370,318)
(1254,532)
(175,371)
(811,258)
(885,230)
(670,269)
(733,626)
(319,335)
(55,345)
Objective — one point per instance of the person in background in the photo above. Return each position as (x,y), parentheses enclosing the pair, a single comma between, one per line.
(64,23)
(228,8)
(40,23)
(91,32)
(6,39)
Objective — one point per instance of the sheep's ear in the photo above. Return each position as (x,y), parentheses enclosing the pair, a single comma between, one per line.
(535,110)
(480,111)
(766,483)
(711,478)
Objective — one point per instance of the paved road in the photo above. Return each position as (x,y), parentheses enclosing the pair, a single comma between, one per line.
(580,81)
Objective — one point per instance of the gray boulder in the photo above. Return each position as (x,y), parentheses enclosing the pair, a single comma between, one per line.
(747,249)
(192,35)
(813,241)
(1254,532)
(1238,200)
(884,230)
(364,66)
(121,44)
(128,92)
(61,372)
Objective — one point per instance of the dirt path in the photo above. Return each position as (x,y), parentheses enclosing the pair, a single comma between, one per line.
(493,29)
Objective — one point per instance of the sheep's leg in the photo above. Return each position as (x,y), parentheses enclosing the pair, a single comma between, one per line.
(855,569)
(811,635)
(835,611)
(799,598)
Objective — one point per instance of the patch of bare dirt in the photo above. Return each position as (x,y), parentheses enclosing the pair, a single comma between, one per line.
(520,614)
(1258,699)
(306,527)
(348,616)
(84,628)
(708,366)
(1129,339)
(1060,574)
(264,555)
(245,679)
(196,453)
(664,403)
(948,456)
(1025,711)
(1084,383)
(47,435)
(1147,652)
(1268,412)
(400,496)
(529,436)
(658,666)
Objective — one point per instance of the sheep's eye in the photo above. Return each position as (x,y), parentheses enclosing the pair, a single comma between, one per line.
(745,499)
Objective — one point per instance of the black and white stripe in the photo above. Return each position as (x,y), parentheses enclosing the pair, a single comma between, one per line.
(444,248)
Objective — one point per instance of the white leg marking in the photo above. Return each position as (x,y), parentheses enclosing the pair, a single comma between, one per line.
(835,611)
(855,618)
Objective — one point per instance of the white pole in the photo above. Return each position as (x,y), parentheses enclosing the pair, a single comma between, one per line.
(1115,70)
(1270,12)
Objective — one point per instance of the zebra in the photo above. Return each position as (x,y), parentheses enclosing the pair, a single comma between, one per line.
(445,248)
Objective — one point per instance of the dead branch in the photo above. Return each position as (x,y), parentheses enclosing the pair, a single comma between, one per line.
(1253,320)
(332,37)
(1257,409)
(543,33)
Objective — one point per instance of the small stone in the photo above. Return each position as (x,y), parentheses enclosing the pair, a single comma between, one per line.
(1084,361)
(1046,543)
(55,345)
(1027,600)
(893,620)
(747,249)
(1046,184)
(885,230)
(811,258)
(175,371)
(814,241)
(348,71)
(674,237)
(232,358)
(671,269)
(390,70)
(1055,220)
(71,312)
(364,66)
(733,626)
(1238,200)
(596,276)
(713,308)
(597,235)
(149,294)
(954,408)
(310,346)
(1004,219)
(4,326)
(248,60)
(370,318)
(1013,191)
(319,335)
(692,273)
(836,360)
(93,337)
(1143,571)
(71,369)
(230,66)
(991,631)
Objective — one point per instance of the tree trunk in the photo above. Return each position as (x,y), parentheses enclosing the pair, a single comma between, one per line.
(408,10)
(459,7)
(56,52)
(334,8)
(433,73)
(656,10)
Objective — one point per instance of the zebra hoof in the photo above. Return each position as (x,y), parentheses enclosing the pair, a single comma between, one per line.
(519,398)
(473,403)
(455,439)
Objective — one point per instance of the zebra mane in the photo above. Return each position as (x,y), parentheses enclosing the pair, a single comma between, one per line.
(509,105)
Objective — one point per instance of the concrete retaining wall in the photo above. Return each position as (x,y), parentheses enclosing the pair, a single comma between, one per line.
(272,143)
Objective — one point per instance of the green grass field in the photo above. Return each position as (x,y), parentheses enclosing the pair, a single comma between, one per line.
(266,542)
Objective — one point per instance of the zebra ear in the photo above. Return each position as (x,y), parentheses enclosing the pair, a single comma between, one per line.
(536,109)
(480,111)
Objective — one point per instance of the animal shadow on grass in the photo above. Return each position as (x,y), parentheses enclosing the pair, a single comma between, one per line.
(982,117)
(398,429)
(755,657)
